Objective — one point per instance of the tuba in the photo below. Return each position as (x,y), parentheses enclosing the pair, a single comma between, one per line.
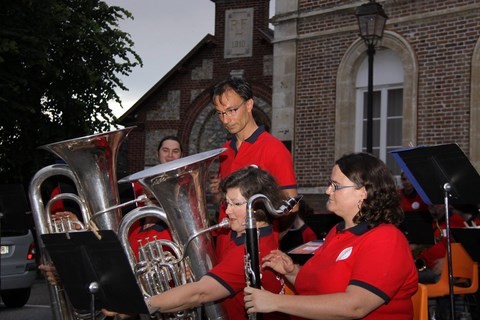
(161,264)
(91,165)
(179,188)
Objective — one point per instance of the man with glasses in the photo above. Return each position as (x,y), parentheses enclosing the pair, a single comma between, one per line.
(250,144)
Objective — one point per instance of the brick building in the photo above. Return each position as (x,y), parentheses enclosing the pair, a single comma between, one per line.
(310,80)
(179,104)
(425,79)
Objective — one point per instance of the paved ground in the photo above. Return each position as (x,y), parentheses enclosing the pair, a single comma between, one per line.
(37,307)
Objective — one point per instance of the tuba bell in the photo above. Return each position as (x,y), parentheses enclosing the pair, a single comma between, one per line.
(91,165)
(179,188)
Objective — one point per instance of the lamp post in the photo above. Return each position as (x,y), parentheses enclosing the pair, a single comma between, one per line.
(371,23)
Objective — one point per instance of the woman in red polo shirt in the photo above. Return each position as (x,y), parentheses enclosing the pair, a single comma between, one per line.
(226,280)
(364,269)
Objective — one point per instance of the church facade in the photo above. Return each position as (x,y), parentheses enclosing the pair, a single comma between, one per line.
(309,79)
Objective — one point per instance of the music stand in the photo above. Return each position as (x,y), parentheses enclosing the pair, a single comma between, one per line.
(470,240)
(305,251)
(95,272)
(441,174)
(418,228)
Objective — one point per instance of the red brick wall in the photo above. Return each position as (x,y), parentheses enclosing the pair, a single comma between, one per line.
(443,46)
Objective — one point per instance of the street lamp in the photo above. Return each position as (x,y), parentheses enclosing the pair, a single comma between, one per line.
(371,23)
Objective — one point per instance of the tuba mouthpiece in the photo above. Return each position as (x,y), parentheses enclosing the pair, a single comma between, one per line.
(225,223)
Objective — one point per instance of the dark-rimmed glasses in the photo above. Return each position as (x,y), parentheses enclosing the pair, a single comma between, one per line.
(231,111)
(336,186)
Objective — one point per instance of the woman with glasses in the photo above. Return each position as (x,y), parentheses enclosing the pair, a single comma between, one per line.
(226,280)
(364,269)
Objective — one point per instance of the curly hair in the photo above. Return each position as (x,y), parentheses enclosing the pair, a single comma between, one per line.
(252,180)
(382,204)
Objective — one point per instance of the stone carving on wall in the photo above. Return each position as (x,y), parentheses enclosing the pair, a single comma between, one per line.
(238,33)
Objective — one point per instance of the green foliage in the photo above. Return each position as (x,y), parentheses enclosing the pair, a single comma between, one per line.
(59,67)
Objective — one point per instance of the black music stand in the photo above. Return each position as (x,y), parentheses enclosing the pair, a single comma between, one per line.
(418,228)
(95,272)
(441,174)
(470,240)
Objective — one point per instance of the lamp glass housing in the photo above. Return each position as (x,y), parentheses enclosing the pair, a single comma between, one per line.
(371,21)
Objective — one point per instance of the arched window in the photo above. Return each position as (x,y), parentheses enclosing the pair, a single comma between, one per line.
(395,87)
(387,105)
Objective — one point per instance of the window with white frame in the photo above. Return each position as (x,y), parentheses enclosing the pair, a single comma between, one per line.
(387,106)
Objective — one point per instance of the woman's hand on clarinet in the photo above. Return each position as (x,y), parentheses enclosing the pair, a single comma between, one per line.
(259,300)
(279,262)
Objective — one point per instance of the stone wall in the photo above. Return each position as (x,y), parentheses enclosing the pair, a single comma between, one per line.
(441,37)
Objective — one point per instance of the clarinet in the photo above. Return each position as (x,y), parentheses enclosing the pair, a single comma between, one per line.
(251,258)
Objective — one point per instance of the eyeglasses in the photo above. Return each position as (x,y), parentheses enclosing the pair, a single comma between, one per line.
(336,186)
(234,204)
(230,112)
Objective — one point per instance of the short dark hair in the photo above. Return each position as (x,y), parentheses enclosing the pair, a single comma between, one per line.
(174,138)
(252,180)
(382,204)
(239,85)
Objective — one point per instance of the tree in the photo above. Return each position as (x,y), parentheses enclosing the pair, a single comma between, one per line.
(59,67)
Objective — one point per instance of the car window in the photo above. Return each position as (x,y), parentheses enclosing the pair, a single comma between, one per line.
(14,210)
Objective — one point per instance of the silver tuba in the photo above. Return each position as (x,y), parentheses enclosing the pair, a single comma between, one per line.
(161,264)
(91,165)
(179,188)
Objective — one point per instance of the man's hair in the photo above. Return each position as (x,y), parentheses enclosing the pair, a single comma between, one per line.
(239,85)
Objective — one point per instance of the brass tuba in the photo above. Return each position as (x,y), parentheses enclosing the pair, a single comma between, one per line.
(91,165)
(179,188)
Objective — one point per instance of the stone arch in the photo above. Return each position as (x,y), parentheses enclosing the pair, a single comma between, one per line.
(474,151)
(345,99)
